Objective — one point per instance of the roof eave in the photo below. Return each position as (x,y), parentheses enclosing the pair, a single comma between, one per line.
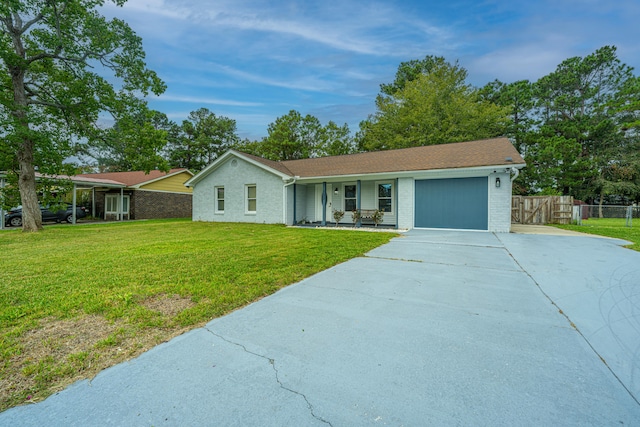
(216,163)
(404,174)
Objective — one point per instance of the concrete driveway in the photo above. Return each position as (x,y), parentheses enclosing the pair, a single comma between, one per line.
(434,328)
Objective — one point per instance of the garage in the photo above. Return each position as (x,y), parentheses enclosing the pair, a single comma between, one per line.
(456,203)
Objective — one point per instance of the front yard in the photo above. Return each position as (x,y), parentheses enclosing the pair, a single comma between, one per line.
(77,299)
(611,227)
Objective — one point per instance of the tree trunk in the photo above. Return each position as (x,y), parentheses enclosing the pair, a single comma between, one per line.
(31,214)
(600,204)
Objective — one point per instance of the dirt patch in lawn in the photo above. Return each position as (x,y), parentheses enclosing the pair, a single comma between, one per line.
(60,352)
(168,305)
(57,348)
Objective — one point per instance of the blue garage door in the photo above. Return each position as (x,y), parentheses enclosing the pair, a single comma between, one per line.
(459,203)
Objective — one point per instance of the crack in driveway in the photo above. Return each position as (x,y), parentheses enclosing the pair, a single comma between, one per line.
(272,363)
(421,261)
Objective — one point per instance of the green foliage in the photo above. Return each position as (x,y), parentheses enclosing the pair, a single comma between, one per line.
(518,97)
(52,95)
(135,142)
(430,103)
(411,70)
(294,136)
(577,127)
(201,139)
(574,107)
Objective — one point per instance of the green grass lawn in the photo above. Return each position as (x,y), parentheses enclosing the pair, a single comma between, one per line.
(77,299)
(611,227)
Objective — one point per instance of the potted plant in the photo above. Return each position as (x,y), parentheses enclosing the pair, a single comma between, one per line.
(377,217)
(355,216)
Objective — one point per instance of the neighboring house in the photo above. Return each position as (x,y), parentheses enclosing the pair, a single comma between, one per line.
(465,185)
(142,195)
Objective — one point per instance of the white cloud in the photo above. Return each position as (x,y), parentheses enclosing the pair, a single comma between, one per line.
(308,83)
(206,100)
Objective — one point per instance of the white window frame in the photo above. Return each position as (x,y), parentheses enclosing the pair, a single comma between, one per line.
(248,199)
(218,199)
(378,183)
(119,213)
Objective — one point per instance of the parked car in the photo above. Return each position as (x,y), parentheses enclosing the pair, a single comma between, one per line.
(14,216)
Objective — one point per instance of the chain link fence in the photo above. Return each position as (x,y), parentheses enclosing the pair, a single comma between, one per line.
(626,213)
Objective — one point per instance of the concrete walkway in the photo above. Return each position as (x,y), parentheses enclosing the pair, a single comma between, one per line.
(434,328)
(548,230)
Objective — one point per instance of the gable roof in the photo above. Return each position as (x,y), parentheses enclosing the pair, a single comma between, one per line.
(277,165)
(483,153)
(487,152)
(135,178)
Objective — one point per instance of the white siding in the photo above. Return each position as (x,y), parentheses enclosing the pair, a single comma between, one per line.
(369,200)
(234,176)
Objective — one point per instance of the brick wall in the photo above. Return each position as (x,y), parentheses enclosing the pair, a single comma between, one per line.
(500,203)
(155,204)
(406,198)
(234,175)
(149,205)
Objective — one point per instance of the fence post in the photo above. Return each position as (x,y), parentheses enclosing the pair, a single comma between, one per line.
(577,215)
(629,217)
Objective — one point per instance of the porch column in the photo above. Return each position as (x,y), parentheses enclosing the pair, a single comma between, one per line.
(395,196)
(93,201)
(73,204)
(324,204)
(359,223)
(120,208)
(1,209)
(294,204)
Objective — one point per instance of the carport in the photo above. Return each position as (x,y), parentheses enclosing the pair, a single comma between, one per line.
(83,183)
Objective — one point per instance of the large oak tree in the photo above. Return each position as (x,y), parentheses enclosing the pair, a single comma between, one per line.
(429,103)
(54,55)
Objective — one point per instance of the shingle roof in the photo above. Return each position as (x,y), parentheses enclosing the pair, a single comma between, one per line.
(279,166)
(132,178)
(487,152)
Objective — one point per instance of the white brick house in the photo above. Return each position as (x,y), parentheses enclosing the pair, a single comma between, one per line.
(464,185)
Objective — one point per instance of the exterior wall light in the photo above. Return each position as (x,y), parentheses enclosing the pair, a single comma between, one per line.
(335,191)
(497,182)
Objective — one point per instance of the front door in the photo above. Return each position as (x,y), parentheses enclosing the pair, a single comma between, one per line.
(329,217)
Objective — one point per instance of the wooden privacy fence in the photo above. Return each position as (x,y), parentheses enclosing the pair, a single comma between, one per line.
(541,209)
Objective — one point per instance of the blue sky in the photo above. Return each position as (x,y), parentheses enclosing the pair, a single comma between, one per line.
(254,60)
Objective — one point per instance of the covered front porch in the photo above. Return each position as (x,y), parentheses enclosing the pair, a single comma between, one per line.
(316,202)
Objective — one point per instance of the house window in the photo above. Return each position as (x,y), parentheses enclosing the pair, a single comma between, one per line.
(385,196)
(251,198)
(219,199)
(112,206)
(349,198)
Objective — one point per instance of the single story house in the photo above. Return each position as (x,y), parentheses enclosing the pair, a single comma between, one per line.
(141,195)
(464,185)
